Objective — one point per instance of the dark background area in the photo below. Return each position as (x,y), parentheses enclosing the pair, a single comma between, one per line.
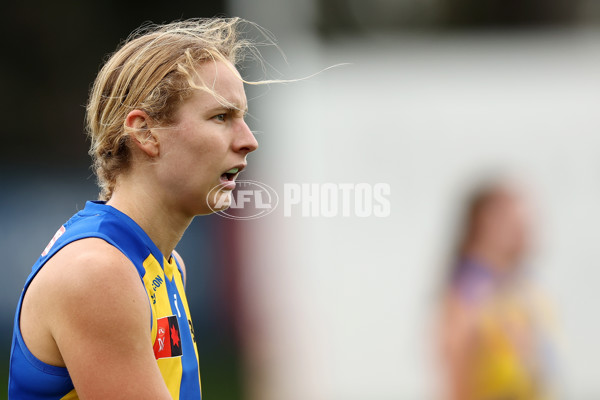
(52,52)
(352,17)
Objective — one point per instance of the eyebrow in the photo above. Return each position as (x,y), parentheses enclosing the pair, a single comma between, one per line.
(229,109)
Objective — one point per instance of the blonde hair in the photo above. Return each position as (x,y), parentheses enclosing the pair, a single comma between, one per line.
(154,71)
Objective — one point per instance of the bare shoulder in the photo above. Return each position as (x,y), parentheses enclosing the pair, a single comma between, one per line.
(88,269)
(95,312)
(181,265)
(89,255)
(82,281)
(91,279)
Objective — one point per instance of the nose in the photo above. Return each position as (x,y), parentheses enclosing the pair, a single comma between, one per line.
(245,141)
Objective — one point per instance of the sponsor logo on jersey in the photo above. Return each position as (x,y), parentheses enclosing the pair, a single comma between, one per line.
(156,282)
(168,340)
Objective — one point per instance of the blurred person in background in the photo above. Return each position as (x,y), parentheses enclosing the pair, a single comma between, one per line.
(103,314)
(493,329)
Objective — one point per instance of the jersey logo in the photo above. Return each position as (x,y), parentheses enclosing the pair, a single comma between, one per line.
(156,282)
(58,234)
(168,340)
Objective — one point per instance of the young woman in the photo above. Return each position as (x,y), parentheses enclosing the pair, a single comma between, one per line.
(494,336)
(103,314)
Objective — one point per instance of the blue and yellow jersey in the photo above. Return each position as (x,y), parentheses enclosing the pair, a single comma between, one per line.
(170,328)
(507,359)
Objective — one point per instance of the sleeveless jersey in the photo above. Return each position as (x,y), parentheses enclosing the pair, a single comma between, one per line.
(501,369)
(171,328)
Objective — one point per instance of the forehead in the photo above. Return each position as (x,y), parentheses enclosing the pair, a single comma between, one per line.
(223,83)
(508,202)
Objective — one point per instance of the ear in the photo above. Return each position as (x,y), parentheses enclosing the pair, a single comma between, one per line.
(139,124)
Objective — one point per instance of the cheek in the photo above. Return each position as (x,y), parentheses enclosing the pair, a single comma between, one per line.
(194,161)
(187,146)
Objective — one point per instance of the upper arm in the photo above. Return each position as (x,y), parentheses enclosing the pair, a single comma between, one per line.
(457,323)
(181,265)
(457,333)
(101,324)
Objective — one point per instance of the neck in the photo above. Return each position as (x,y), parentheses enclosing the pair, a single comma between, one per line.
(164,226)
(493,260)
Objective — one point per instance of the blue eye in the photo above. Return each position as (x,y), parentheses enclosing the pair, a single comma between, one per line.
(220,117)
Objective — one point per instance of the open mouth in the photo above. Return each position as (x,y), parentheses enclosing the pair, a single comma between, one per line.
(230,175)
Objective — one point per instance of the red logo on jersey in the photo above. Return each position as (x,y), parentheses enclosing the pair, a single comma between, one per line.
(168,343)
(58,234)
